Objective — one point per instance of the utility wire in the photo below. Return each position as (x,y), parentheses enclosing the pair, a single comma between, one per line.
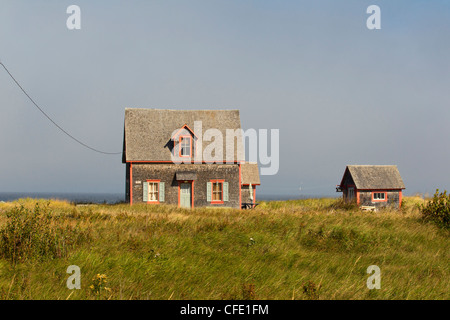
(51,120)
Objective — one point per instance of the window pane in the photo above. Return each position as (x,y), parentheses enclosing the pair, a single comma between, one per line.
(217,191)
(185,146)
(153,191)
(379,196)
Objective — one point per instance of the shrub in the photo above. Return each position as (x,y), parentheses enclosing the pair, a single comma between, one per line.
(437,209)
(36,234)
(311,290)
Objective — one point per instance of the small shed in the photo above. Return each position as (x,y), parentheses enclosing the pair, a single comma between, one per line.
(372,185)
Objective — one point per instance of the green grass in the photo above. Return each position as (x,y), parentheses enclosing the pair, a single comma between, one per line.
(299,249)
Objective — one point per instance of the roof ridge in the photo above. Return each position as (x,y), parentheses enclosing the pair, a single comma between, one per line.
(179,110)
(371,165)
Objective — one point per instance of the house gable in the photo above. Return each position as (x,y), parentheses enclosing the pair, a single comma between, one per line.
(347,179)
(183,143)
(184,130)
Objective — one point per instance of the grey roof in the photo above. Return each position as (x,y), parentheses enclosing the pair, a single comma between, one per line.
(147,132)
(375,176)
(250,173)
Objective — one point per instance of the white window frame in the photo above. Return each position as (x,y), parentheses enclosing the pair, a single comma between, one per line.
(153,192)
(377,196)
(185,143)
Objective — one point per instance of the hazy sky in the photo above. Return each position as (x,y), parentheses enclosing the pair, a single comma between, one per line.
(338,92)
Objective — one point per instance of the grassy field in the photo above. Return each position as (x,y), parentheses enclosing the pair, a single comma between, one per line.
(302,249)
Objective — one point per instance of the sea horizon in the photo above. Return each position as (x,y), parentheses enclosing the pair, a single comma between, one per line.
(76,197)
(117,197)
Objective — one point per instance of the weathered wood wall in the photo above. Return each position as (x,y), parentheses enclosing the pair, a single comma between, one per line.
(205,172)
(393,199)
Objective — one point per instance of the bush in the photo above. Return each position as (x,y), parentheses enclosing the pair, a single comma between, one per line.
(36,234)
(437,209)
(311,290)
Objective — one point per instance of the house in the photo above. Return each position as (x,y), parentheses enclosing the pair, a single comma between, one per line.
(372,185)
(164,152)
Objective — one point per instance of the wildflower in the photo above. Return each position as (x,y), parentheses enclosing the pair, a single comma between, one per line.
(98,284)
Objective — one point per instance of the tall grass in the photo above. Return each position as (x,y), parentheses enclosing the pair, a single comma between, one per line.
(37,234)
(299,249)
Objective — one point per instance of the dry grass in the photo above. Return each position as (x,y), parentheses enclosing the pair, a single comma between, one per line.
(301,249)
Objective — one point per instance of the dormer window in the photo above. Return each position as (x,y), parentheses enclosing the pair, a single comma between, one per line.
(185,146)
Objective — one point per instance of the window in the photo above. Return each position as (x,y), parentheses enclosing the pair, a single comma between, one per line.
(379,196)
(153,190)
(185,146)
(217,191)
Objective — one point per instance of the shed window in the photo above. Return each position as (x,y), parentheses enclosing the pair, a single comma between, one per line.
(379,196)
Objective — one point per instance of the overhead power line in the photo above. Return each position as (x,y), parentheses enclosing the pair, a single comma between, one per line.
(51,120)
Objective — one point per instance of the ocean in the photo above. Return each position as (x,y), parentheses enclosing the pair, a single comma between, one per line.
(111,198)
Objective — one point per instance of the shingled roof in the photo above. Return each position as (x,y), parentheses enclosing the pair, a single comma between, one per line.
(250,173)
(375,176)
(148,131)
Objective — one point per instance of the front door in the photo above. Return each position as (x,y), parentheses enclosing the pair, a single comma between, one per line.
(185,195)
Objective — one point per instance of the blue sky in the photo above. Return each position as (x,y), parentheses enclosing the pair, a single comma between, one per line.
(338,92)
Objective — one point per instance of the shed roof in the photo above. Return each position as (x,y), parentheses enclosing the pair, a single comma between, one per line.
(375,176)
(147,132)
(250,173)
